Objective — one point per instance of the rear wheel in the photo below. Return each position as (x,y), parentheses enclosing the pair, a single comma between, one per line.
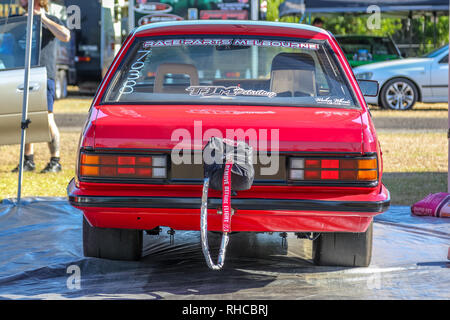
(343,249)
(114,244)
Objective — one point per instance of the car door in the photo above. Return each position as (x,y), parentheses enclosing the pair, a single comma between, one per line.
(12,61)
(439,78)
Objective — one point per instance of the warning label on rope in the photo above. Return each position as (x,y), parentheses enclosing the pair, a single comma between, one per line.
(226,198)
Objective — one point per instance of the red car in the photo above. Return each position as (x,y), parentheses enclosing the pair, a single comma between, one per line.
(285,89)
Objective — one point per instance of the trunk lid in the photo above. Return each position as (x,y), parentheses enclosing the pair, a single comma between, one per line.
(165,127)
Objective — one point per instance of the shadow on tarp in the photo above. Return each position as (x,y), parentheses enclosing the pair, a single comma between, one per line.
(42,238)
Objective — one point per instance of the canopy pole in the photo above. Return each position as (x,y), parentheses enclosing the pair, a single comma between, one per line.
(448,132)
(254,15)
(25,121)
(131,18)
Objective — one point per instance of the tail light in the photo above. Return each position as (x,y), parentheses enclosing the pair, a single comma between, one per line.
(82,59)
(327,169)
(123,166)
(232,74)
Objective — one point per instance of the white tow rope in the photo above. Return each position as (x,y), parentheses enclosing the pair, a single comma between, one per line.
(226,218)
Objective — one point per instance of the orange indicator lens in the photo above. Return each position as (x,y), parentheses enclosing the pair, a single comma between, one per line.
(89,171)
(89,159)
(367,175)
(367,164)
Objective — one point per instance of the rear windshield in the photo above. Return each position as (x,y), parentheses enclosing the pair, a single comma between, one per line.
(230,70)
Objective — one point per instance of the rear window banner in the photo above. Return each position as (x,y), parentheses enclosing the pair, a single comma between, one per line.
(231,42)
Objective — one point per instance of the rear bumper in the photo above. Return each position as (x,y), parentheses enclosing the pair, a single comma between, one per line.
(238,204)
(251,214)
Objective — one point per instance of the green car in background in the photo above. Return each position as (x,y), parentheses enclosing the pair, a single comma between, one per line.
(361,50)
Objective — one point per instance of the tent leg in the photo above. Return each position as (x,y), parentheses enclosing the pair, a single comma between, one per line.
(25,121)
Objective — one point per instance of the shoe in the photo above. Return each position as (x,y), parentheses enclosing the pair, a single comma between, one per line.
(52,166)
(28,166)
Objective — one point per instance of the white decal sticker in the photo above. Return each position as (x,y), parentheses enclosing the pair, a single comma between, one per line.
(187,42)
(234,42)
(334,101)
(135,72)
(208,91)
(332,113)
(276,43)
(233,112)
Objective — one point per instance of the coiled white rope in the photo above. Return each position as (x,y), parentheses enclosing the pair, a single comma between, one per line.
(204,233)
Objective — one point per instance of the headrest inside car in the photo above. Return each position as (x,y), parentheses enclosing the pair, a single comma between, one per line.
(174,68)
(293,61)
(293,75)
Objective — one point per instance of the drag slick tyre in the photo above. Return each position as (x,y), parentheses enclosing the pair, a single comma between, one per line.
(114,244)
(343,249)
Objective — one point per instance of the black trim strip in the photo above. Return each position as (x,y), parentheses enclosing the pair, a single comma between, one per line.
(228,103)
(282,183)
(238,203)
(436,86)
(157,152)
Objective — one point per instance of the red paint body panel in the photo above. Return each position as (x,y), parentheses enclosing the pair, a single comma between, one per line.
(245,221)
(151,127)
(301,129)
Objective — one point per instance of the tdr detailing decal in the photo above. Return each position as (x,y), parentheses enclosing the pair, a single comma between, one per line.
(210,91)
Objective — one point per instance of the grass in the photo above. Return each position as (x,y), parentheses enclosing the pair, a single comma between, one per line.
(408,188)
(34,183)
(415,163)
(420,110)
(75,103)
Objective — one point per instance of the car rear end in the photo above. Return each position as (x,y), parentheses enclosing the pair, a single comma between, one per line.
(318,164)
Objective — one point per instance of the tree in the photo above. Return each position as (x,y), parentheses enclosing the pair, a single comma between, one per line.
(422,27)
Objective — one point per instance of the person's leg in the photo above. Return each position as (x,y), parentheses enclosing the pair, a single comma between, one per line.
(29,149)
(54,133)
(28,159)
(53,145)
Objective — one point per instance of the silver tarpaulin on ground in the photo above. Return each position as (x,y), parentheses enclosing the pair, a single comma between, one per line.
(41,258)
